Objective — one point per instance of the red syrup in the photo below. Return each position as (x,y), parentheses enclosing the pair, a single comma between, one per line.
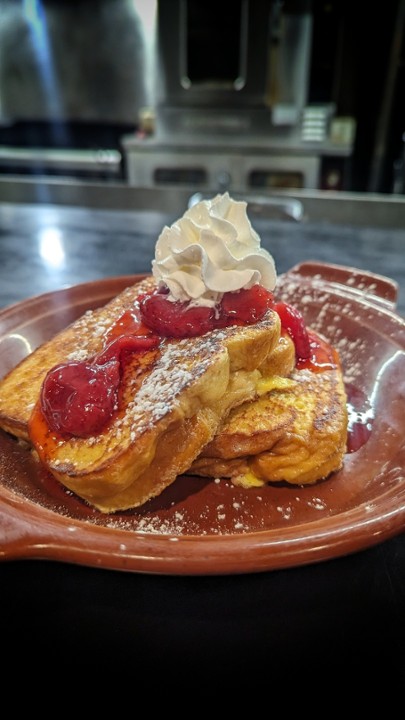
(292,321)
(129,323)
(322,356)
(360,418)
(79,398)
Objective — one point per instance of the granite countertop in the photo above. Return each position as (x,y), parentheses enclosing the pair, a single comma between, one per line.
(47,247)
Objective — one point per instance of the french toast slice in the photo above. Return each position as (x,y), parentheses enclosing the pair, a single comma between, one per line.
(173,400)
(280,361)
(296,433)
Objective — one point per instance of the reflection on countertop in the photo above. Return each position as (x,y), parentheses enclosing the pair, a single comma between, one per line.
(341,208)
(46,246)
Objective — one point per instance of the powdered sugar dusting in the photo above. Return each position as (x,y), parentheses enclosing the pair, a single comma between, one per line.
(157,390)
(337,318)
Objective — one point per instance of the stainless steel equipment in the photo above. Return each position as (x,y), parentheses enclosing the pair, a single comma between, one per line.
(102,164)
(232,107)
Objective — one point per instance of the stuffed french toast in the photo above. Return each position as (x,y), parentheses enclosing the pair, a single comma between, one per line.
(295,432)
(146,388)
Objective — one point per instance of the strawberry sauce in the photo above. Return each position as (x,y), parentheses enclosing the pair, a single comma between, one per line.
(182,319)
(80,398)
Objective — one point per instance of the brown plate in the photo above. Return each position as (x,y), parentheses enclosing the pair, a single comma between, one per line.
(200,527)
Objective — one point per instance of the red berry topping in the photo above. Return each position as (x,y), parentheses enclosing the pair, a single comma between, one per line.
(175,319)
(246,307)
(293,322)
(79,398)
(179,319)
(124,345)
(129,323)
(322,356)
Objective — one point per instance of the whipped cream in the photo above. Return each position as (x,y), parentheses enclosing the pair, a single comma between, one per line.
(211,250)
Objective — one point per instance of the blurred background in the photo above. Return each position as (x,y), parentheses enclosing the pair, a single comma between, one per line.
(245,95)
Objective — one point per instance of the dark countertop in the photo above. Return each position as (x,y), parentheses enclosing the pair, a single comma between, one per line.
(93,243)
(338,615)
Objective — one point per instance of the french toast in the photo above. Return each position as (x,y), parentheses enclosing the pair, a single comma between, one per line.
(295,433)
(193,369)
(173,399)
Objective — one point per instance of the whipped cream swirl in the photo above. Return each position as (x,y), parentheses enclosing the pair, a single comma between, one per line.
(211,250)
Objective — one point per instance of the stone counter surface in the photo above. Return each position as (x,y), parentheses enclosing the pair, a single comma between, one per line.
(47,247)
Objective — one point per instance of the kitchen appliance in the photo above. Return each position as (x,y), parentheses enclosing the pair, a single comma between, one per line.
(72,81)
(231,108)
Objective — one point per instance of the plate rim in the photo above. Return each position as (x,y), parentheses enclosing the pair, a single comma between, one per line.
(52,535)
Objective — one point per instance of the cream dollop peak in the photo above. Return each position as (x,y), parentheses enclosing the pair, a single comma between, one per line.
(211,250)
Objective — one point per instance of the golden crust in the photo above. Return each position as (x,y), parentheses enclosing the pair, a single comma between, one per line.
(280,362)
(295,434)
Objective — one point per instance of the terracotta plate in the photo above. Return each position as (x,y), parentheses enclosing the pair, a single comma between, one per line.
(200,527)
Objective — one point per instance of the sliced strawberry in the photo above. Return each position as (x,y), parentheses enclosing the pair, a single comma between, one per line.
(175,319)
(245,307)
